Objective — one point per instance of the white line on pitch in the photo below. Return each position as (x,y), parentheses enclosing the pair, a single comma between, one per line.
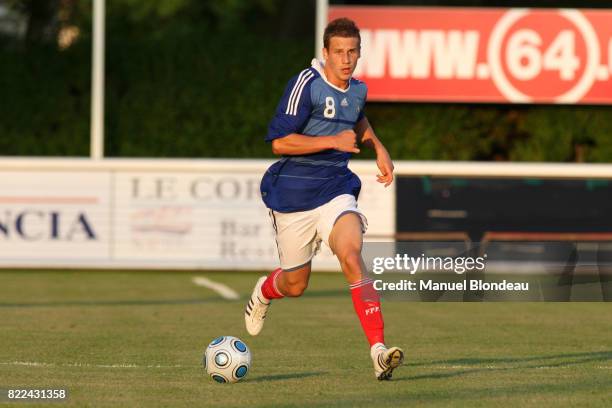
(123,365)
(225,291)
(501,367)
(131,365)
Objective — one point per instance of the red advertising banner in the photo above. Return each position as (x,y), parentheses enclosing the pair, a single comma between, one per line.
(484,55)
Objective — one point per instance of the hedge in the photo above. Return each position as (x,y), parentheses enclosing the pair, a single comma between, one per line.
(187,92)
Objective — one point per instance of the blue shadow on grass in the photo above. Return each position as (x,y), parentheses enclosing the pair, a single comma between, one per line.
(466,366)
(151,302)
(326,293)
(576,358)
(292,376)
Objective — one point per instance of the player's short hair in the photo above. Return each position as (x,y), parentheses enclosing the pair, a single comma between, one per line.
(341,27)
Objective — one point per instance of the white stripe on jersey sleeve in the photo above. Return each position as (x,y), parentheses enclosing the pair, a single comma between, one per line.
(295,86)
(296,101)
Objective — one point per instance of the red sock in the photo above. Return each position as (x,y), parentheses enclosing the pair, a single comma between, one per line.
(269,288)
(367,307)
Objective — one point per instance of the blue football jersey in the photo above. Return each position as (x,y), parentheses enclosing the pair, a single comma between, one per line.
(312,106)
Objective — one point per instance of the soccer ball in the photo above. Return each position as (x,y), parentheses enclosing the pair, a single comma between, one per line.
(227,359)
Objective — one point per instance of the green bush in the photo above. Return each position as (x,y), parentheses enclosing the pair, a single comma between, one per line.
(45,102)
(193,94)
(191,91)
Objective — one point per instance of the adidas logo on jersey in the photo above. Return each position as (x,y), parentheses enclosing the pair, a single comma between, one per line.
(344,103)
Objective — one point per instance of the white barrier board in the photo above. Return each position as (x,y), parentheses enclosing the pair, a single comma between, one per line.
(154,214)
(56,217)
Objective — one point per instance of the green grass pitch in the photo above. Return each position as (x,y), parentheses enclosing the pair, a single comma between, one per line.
(136,339)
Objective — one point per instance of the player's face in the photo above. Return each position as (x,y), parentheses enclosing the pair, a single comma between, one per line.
(341,59)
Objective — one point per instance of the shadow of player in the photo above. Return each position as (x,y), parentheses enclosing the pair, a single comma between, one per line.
(479,365)
(291,376)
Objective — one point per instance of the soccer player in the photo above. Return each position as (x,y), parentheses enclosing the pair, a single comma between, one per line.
(312,195)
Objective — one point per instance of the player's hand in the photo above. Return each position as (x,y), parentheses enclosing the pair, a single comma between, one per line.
(385,165)
(346,141)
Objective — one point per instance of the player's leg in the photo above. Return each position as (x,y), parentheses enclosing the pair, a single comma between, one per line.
(346,240)
(293,282)
(290,283)
(297,243)
(277,285)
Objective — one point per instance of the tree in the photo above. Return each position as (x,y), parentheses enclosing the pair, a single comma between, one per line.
(41,19)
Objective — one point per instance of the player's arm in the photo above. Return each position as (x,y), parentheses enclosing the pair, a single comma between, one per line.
(297,144)
(285,131)
(367,137)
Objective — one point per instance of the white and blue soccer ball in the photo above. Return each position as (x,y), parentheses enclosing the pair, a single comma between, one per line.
(227,359)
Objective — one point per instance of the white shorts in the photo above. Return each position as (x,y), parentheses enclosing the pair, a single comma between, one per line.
(299,234)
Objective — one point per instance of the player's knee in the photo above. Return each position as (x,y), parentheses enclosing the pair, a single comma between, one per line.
(296,289)
(351,261)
